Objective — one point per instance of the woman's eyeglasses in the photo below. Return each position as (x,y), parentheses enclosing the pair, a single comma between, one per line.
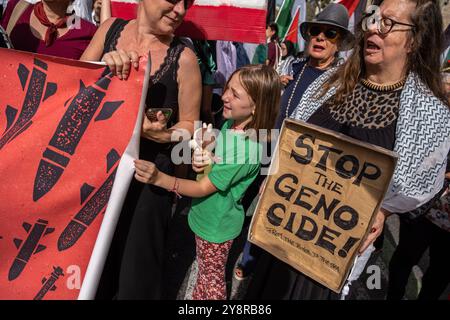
(383,25)
(187,3)
(330,33)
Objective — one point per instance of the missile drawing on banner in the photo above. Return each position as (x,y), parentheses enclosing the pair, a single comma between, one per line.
(53,230)
(29,247)
(34,94)
(96,204)
(70,131)
(49,284)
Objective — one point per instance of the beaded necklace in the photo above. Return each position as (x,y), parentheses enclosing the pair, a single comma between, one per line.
(293,90)
(383,88)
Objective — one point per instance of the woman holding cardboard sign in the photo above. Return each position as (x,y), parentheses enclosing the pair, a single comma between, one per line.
(389,94)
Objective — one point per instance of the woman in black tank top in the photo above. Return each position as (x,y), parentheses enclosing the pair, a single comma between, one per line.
(135,263)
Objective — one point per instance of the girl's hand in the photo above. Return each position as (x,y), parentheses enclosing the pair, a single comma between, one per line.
(146,171)
(154,130)
(119,62)
(285,79)
(200,160)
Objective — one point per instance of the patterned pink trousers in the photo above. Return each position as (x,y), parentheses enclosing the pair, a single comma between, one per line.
(212,259)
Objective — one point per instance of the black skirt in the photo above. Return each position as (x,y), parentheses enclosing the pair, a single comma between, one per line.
(276,280)
(135,262)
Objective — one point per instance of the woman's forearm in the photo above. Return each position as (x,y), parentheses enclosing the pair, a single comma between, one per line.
(187,125)
(386,212)
(160,137)
(184,128)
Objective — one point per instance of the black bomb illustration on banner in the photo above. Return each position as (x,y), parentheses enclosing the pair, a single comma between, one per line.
(69,133)
(65,128)
(31,102)
(96,204)
(50,283)
(29,247)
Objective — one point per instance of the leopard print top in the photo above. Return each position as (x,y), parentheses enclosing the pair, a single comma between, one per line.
(366,108)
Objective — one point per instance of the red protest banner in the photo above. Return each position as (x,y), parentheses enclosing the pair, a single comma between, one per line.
(64,126)
(231,20)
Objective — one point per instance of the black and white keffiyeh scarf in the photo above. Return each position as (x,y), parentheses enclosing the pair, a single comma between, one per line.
(422,141)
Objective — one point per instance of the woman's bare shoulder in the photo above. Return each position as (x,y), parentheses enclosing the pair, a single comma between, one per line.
(105,26)
(188,58)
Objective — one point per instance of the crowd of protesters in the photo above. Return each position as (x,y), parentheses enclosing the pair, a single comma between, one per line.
(392,91)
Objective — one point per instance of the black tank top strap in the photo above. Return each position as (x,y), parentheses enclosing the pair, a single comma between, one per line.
(170,65)
(113,35)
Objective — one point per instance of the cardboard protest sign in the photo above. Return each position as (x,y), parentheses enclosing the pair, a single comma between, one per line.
(321,195)
(66,128)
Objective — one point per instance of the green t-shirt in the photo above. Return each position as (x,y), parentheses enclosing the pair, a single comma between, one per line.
(219,217)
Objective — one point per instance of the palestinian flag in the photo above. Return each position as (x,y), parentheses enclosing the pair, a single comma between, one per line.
(293,13)
(284,17)
(355,10)
(351,5)
(293,32)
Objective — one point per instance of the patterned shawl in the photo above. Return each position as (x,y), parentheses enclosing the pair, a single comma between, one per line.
(422,141)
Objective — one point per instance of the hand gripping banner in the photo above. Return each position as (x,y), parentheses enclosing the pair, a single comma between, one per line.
(68,135)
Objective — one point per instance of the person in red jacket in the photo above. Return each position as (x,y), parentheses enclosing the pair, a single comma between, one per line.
(48,27)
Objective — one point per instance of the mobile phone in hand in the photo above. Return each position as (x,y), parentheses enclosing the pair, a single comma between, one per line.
(151,113)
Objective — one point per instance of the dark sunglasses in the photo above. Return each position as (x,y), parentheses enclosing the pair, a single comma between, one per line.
(187,3)
(330,33)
